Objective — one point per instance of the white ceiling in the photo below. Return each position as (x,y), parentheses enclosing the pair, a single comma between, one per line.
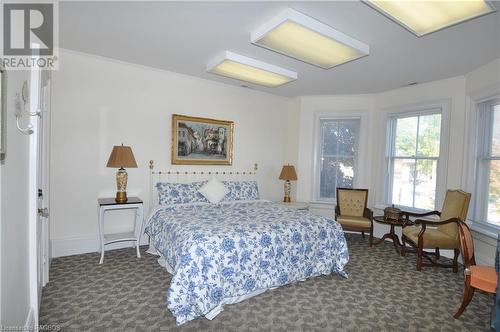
(184,36)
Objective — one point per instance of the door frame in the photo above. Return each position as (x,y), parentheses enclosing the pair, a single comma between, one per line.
(46,86)
(38,177)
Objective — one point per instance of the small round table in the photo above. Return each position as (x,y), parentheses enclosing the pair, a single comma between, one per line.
(392,234)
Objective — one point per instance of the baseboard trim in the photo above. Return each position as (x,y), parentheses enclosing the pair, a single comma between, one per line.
(30,323)
(85,244)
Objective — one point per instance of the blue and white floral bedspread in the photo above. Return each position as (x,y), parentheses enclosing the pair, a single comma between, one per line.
(233,249)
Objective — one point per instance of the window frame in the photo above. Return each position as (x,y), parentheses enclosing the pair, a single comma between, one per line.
(483,133)
(359,157)
(392,114)
(474,98)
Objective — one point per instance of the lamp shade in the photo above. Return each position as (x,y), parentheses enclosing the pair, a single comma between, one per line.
(288,173)
(121,157)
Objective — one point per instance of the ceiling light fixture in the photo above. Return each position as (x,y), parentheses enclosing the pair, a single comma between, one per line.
(304,38)
(424,17)
(250,70)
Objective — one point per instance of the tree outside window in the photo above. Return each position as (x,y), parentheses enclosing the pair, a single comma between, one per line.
(414,154)
(338,144)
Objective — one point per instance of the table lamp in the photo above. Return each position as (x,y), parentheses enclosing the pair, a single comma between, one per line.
(121,157)
(288,174)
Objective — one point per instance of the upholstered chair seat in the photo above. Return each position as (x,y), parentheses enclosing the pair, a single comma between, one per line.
(351,211)
(355,221)
(483,277)
(432,238)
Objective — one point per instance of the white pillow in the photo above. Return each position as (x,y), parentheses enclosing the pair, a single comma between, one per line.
(214,190)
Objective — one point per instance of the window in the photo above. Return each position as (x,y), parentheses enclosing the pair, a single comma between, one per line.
(488,163)
(336,155)
(413,153)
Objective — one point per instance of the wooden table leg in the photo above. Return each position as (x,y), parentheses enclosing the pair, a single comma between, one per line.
(395,239)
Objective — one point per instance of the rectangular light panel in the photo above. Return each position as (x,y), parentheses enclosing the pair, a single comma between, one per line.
(250,70)
(424,17)
(302,37)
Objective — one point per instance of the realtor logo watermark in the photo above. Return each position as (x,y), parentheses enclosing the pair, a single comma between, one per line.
(30,35)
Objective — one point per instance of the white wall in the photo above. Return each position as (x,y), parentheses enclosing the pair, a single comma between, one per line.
(14,303)
(483,78)
(98,103)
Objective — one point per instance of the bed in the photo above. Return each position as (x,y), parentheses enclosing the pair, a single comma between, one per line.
(227,252)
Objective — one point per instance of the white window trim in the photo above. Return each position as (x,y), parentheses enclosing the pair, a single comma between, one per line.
(359,169)
(470,157)
(430,107)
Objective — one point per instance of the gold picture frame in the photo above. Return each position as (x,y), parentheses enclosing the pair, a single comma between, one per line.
(201,141)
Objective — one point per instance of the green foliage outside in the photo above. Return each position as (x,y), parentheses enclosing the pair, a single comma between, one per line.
(428,138)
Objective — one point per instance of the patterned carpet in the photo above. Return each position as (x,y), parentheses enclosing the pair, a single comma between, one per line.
(384,292)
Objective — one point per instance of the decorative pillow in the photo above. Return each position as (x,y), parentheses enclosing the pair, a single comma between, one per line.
(241,190)
(179,193)
(214,190)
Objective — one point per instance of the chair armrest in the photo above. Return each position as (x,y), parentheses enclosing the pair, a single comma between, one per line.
(337,211)
(425,222)
(414,214)
(368,213)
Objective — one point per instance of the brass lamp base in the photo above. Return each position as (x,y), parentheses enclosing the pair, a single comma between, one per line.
(121,186)
(288,190)
(121,197)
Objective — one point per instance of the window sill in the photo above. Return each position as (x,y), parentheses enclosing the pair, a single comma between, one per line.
(323,202)
(485,229)
(322,205)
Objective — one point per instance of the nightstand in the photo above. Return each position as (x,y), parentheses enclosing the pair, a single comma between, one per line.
(301,206)
(109,204)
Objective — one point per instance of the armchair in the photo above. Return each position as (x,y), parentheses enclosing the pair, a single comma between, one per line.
(351,211)
(484,278)
(442,234)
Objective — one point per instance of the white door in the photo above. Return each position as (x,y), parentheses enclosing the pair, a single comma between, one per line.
(43,183)
(39,187)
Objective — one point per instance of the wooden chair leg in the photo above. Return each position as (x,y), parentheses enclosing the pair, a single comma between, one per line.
(420,256)
(437,254)
(363,234)
(455,260)
(468,294)
(371,237)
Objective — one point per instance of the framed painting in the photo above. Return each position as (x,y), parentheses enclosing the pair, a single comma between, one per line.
(201,141)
